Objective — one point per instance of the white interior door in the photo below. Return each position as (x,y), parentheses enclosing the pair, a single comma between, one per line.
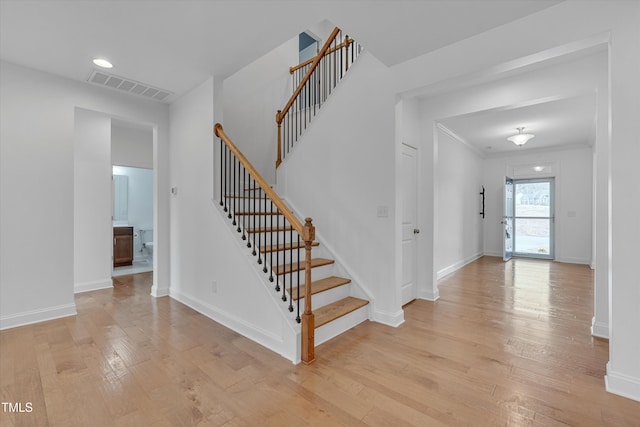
(507,220)
(409,194)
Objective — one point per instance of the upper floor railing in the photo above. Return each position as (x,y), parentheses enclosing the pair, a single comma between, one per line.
(313,82)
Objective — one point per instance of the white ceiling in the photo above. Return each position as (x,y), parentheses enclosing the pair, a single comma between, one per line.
(560,113)
(175,45)
(558,122)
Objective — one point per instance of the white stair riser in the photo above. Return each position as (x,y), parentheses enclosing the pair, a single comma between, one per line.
(240,204)
(285,257)
(243,204)
(327,297)
(341,324)
(316,274)
(254,221)
(275,238)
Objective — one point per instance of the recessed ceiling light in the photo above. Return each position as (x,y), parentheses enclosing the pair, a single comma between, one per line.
(100,62)
(538,168)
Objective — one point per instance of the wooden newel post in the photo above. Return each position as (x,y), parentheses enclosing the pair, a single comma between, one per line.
(279,122)
(308,320)
(346,53)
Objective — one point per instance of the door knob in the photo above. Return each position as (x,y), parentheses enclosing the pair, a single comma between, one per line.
(416,231)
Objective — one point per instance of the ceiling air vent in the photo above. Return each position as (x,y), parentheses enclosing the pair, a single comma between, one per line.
(101,78)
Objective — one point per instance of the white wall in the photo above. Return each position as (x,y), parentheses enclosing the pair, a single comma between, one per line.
(132,147)
(342,170)
(92,232)
(507,48)
(211,270)
(252,96)
(458,226)
(572,169)
(37,168)
(321,31)
(623,369)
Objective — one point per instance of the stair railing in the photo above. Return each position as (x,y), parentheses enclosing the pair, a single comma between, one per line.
(313,82)
(253,206)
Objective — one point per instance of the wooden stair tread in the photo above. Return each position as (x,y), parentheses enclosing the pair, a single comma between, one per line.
(321,285)
(283,246)
(258,213)
(269,229)
(330,312)
(315,262)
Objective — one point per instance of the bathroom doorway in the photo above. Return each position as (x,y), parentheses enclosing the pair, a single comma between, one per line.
(132,198)
(133,212)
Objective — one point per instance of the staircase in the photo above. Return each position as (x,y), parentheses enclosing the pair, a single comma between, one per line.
(331,294)
(280,243)
(282,249)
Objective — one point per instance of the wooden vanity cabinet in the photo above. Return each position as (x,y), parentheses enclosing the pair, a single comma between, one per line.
(122,246)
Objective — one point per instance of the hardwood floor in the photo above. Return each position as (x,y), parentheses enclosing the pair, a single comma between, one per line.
(506,344)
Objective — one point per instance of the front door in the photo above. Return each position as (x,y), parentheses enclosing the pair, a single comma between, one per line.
(533,217)
(409,192)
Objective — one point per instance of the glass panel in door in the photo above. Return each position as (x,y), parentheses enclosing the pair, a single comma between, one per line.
(533,219)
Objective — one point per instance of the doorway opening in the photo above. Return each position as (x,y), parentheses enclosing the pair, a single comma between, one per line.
(132,220)
(133,198)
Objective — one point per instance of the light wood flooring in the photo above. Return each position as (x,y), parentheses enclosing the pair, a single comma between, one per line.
(506,344)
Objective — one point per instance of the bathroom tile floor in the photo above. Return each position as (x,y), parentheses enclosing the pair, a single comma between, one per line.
(138,266)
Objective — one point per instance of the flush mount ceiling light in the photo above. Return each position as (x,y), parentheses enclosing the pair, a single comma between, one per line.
(538,168)
(101,62)
(520,138)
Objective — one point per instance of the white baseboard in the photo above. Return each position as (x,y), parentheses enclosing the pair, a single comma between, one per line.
(599,329)
(570,260)
(429,295)
(93,286)
(265,338)
(492,253)
(390,319)
(621,384)
(457,265)
(37,316)
(160,292)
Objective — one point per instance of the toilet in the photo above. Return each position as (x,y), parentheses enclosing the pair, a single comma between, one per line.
(146,238)
(149,247)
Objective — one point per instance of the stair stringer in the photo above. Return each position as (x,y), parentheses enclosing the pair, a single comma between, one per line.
(292,340)
(357,287)
(287,343)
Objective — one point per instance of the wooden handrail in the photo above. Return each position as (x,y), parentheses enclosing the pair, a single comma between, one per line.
(347,42)
(293,220)
(306,231)
(281,113)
